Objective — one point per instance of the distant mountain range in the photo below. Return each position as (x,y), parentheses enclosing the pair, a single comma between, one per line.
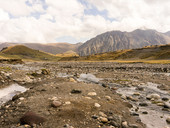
(117,40)
(53,48)
(106,42)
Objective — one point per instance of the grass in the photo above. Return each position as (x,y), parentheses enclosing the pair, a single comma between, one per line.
(25,53)
(153,54)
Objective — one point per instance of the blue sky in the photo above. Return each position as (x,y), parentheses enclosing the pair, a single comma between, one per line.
(50,21)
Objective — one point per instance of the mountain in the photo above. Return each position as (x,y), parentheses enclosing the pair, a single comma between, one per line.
(53,48)
(23,52)
(167,33)
(154,52)
(117,40)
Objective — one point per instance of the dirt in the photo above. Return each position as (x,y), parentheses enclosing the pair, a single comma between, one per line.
(78,109)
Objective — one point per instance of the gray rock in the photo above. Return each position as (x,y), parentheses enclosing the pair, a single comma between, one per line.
(56,104)
(143,104)
(31,118)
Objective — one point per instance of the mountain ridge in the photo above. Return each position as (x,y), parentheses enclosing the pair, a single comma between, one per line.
(117,40)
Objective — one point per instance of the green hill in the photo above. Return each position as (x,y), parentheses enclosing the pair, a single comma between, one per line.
(23,52)
(156,52)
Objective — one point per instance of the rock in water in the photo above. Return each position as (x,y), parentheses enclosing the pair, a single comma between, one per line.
(31,118)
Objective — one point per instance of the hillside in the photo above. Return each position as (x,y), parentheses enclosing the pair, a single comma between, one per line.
(23,52)
(53,48)
(117,40)
(156,52)
(67,54)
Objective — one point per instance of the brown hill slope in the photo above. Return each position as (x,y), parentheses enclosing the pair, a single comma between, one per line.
(156,52)
(117,40)
(23,52)
(53,48)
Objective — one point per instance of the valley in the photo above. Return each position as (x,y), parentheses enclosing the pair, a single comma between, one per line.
(87,94)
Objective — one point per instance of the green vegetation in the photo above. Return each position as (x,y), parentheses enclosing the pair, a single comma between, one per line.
(25,53)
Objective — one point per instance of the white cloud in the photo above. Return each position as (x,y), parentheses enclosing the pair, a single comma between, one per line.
(67,18)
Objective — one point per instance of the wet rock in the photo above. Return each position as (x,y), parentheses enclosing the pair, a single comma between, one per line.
(94,117)
(31,118)
(124,124)
(74,91)
(165,99)
(56,104)
(166,105)
(97,105)
(145,112)
(92,94)
(140,88)
(168,120)
(153,96)
(143,104)
(134,114)
(136,93)
(45,72)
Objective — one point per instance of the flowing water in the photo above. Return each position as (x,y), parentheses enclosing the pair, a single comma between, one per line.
(7,93)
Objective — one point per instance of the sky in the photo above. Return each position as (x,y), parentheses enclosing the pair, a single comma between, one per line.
(73,21)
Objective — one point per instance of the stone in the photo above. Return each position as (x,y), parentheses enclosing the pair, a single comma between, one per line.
(134,114)
(56,104)
(92,94)
(108,97)
(145,112)
(153,96)
(74,91)
(72,80)
(103,119)
(143,104)
(133,126)
(140,88)
(67,102)
(165,99)
(124,124)
(102,114)
(94,117)
(21,98)
(31,118)
(160,104)
(89,98)
(136,93)
(168,120)
(166,105)
(97,105)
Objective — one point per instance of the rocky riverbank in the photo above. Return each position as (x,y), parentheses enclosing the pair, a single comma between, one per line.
(56,97)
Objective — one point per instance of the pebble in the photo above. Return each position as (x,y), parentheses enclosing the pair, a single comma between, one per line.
(136,94)
(92,94)
(72,80)
(153,96)
(31,118)
(74,91)
(168,120)
(97,105)
(67,102)
(21,98)
(124,124)
(102,114)
(56,104)
(89,98)
(103,119)
(108,97)
(143,104)
(145,112)
(165,99)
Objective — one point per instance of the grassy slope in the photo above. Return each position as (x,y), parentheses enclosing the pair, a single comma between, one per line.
(147,54)
(23,52)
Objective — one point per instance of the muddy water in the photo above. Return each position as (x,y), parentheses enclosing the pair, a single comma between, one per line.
(156,117)
(7,93)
